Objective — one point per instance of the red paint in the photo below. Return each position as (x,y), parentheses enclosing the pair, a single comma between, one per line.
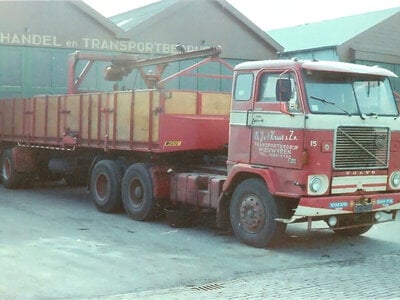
(185,132)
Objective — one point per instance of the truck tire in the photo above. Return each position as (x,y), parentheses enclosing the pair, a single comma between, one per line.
(253,212)
(10,177)
(105,186)
(137,193)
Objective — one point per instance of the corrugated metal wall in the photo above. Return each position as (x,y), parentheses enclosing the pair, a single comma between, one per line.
(36,38)
(29,71)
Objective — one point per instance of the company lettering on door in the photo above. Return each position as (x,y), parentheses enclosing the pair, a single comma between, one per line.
(276,144)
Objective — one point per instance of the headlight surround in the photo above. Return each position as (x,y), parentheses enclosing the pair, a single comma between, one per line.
(317,184)
(394,180)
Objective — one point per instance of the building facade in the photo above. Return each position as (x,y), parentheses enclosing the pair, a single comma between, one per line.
(36,38)
(372,39)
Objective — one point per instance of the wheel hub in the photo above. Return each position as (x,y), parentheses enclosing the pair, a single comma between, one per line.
(102,187)
(252,214)
(136,192)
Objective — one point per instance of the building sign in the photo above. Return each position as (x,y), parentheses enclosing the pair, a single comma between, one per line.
(89,43)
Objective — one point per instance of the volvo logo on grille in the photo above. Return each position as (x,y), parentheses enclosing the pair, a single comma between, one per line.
(380,142)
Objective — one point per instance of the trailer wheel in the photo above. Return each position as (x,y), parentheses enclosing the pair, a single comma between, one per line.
(105,186)
(137,193)
(253,212)
(10,177)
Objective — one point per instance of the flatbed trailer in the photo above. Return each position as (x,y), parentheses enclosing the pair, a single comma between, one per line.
(143,121)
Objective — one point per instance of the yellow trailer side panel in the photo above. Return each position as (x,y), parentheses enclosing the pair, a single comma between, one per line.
(52,117)
(215,104)
(180,102)
(117,120)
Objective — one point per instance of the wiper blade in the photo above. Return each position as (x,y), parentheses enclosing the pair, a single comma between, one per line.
(331,103)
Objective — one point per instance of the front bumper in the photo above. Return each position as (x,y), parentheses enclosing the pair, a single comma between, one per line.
(321,208)
(336,205)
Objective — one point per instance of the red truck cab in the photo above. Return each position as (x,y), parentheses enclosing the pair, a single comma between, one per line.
(309,141)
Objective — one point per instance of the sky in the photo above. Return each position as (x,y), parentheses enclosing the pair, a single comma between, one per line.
(268,14)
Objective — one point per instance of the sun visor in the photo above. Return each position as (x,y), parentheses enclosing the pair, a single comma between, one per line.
(341,67)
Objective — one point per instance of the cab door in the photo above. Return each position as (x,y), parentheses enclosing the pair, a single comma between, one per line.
(240,118)
(276,121)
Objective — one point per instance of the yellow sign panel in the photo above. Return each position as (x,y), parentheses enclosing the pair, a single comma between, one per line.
(172,143)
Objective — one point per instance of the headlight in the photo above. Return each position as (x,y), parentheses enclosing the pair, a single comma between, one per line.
(317,184)
(394,180)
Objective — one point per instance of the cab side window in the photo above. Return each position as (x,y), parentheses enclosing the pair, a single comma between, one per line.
(277,87)
(267,88)
(243,87)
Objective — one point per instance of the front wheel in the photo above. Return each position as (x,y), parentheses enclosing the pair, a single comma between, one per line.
(253,212)
(137,193)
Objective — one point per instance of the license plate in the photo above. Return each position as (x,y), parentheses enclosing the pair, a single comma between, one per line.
(364,205)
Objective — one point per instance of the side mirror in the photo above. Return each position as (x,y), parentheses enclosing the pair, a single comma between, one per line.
(283,90)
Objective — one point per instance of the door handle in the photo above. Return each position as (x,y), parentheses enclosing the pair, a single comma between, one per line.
(258,118)
(247,118)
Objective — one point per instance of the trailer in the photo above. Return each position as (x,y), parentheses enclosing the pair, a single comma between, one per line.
(295,141)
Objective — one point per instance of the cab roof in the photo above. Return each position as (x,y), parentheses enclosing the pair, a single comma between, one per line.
(327,66)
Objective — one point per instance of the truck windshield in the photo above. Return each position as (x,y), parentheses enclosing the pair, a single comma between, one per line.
(339,93)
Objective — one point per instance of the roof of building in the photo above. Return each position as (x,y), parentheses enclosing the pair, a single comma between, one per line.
(329,33)
(108,24)
(131,19)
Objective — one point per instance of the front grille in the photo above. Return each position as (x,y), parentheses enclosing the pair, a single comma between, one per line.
(361,148)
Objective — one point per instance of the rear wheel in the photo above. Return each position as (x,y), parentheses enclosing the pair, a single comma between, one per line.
(253,212)
(137,193)
(105,186)
(9,175)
